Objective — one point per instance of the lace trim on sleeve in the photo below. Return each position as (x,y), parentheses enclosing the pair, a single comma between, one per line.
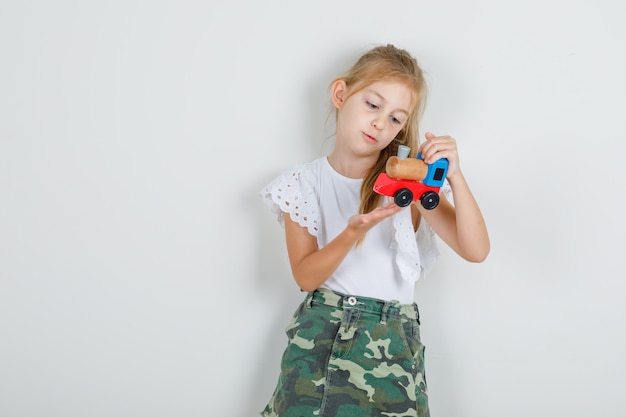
(416,252)
(407,253)
(291,193)
(428,248)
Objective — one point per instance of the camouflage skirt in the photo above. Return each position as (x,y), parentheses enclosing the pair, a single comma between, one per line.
(351,356)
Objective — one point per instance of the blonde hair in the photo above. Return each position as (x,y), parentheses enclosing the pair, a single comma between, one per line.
(387,63)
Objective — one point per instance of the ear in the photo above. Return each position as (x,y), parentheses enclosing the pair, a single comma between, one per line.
(338,92)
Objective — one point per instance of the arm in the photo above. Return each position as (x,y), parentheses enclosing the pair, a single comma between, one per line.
(461,226)
(312,266)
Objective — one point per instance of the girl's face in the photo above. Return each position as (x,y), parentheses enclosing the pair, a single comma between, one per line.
(371,118)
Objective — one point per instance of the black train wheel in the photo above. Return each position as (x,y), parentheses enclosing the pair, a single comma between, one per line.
(429,200)
(403,197)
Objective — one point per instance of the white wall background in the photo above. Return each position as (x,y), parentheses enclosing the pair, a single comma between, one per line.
(140,274)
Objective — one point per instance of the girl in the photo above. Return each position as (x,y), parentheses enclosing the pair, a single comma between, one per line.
(354,347)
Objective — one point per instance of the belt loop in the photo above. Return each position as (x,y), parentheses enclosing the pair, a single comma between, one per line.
(309,300)
(383,314)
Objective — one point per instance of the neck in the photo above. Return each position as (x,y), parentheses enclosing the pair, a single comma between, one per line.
(352,167)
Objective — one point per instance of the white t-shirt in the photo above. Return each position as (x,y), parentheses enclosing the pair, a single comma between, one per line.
(392,256)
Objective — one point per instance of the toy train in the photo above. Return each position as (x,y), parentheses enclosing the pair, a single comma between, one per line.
(411,179)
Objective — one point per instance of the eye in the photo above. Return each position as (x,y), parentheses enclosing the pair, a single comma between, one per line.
(396,120)
(371,105)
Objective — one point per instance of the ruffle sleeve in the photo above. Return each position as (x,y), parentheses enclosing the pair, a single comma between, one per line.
(416,252)
(292,192)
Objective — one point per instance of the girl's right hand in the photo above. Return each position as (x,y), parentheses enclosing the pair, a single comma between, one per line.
(360,224)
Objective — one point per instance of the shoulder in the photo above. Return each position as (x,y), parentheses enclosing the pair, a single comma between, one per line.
(311,168)
(308,173)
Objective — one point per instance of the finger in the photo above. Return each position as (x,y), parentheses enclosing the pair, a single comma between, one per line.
(441,148)
(430,150)
(389,204)
(428,136)
(382,212)
(432,140)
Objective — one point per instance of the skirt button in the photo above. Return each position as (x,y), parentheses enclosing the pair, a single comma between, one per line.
(352,301)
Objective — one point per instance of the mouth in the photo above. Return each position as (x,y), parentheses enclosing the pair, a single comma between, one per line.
(369,138)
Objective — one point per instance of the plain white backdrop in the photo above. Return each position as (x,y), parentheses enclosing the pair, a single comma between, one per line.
(141,275)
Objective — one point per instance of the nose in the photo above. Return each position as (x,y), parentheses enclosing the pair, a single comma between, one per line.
(378,122)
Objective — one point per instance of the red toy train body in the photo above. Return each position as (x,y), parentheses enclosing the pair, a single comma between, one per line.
(411,179)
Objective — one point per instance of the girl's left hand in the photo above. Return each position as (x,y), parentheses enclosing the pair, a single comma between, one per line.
(437,147)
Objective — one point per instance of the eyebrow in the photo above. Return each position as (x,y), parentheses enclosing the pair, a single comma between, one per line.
(383,99)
